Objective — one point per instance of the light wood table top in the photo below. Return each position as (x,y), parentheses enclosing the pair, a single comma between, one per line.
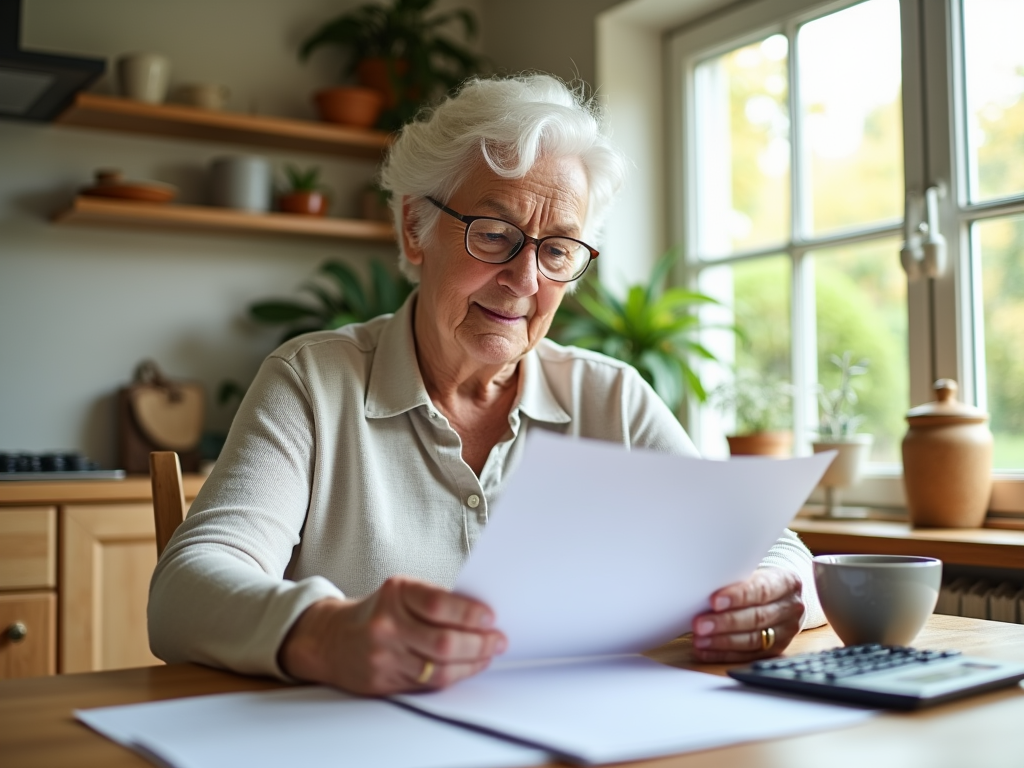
(37,727)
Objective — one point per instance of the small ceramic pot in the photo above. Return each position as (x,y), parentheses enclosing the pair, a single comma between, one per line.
(372,207)
(204,95)
(947,462)
(304,203)
(357,107)
(380,73)
(241,182)
(847,467)
(144,77)
(761,444)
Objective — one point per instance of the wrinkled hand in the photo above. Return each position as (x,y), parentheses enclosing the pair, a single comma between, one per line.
(770,598)
(382,644)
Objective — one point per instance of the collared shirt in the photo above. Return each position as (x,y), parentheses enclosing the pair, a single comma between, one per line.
(340,472)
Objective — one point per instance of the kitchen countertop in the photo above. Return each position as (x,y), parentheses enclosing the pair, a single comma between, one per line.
(132,488)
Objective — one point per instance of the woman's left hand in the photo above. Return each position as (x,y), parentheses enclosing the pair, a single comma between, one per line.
(751,619)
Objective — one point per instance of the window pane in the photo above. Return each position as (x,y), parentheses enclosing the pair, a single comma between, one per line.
(1001,246)
(994,67)
(851,119)
(743,148)
(756,295)
(861,299)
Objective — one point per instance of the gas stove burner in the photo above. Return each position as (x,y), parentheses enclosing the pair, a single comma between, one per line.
(53,466)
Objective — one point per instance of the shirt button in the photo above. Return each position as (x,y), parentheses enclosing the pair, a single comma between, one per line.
(473,501)
(433,414)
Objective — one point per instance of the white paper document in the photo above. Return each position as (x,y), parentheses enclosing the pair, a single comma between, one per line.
(626,708)
(593,549)
(313,727)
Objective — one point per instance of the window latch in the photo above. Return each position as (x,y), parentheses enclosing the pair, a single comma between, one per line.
(924,247)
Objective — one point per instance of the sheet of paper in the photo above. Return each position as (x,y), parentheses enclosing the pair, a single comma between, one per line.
(312,727)
(594,549)
(627,708)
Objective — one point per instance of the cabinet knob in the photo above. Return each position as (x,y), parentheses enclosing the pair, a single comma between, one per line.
(16,632)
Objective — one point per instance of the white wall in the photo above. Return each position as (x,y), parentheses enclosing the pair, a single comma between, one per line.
(79,307)
(555,37)
(633,82)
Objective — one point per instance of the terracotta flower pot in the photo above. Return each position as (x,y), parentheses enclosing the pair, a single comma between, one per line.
(349,105)
(377,73)
(305,203)
(761,444)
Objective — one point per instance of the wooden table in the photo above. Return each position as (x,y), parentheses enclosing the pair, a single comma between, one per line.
(37,728)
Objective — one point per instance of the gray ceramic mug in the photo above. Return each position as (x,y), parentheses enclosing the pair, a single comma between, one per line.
(877,598)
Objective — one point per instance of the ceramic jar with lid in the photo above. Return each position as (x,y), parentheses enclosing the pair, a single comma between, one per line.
(947,462)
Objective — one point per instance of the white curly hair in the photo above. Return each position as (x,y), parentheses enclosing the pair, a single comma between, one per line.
(509,122)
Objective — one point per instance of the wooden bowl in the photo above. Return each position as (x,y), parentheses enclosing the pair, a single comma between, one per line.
(111,184)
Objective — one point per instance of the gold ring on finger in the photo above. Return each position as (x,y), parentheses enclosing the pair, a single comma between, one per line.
(426,673)
(767,638)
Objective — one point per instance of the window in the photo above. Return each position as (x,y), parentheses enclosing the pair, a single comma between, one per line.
(807,135)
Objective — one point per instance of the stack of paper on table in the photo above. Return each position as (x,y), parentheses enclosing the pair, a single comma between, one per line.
(617,562)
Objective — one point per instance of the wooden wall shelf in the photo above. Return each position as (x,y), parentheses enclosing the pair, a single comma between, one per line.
(984,547)
(91,110)
(117,213)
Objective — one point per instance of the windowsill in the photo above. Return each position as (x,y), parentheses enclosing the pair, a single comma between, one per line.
(886,532)
(882,489)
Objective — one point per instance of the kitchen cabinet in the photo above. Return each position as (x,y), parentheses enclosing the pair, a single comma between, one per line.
(28,577)
(78,605)
(90,110)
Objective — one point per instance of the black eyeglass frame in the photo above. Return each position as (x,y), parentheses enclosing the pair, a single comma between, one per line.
(536,241)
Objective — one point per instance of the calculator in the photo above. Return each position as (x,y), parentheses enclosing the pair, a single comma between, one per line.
(887,676)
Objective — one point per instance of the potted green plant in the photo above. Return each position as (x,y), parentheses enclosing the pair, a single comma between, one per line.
(653,328)
(837,430)
(304,193)
(761,408)
(341,298)
(401,51)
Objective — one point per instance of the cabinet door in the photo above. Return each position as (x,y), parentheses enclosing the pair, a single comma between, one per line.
(108,553)
(28,547)
(28,638)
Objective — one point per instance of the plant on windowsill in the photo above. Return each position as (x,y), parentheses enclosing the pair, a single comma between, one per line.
(761,408)
(400,51)
(654,329)
(304,194)
(837,430)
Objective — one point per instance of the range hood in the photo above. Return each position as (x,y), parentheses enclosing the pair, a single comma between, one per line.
(37,86)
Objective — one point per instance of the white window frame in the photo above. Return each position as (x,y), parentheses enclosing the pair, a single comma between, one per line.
(943,322)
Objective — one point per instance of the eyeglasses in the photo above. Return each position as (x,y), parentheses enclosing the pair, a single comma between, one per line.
(495,241)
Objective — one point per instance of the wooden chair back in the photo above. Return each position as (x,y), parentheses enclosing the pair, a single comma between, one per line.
(168,496)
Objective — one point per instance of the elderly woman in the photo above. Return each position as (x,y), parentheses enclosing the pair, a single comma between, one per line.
(364,462)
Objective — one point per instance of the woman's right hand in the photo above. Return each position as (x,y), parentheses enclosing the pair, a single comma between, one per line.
(389,641)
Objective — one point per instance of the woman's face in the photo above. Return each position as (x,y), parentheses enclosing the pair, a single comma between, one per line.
(493,314)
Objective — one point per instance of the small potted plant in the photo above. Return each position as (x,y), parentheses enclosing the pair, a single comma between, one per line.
(399,51)
(305,194)
(761,408)
(837,430)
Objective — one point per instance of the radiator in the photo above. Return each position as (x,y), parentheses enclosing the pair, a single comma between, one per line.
(976,598)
